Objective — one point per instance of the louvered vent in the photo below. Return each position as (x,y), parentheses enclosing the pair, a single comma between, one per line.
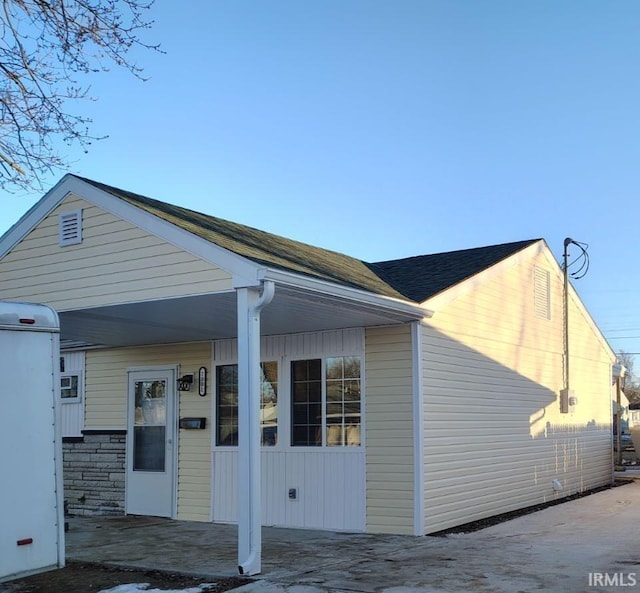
(542,293)
(70,228)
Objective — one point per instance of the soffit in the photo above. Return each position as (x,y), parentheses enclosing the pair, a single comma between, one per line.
(213,316)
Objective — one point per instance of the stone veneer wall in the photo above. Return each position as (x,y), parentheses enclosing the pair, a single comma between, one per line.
(94,473)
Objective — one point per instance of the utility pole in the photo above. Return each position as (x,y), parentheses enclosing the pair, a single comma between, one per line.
(568,399)
(565,258)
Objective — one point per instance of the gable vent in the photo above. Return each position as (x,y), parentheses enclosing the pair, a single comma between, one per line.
(542,293)
(70,228)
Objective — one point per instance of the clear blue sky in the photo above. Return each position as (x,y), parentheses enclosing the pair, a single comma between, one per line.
(385,129)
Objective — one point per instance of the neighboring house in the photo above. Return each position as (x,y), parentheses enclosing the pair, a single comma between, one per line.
(405,396)
(622,410)
(634,415)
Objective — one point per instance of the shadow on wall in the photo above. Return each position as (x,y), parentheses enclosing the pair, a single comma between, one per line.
(495,439)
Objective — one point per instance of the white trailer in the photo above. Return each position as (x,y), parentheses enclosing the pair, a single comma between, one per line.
(31,488)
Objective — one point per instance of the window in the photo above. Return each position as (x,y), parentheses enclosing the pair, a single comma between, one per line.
(70,388)
(332,406)
(70,228)
(269,403)
(343,401)
(542,293)
(227,404)
(306,403)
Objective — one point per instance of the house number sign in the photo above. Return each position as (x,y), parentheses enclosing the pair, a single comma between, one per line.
(202,381)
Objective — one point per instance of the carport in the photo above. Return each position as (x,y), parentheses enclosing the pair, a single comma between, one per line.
(273,307)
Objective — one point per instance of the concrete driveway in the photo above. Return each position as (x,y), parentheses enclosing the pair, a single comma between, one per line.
(590,544)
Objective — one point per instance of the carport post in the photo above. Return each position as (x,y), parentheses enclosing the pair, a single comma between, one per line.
(250,302)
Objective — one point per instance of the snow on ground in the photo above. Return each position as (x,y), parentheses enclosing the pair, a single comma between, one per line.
(137,587)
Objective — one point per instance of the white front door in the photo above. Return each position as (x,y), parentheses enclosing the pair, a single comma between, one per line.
(150,486)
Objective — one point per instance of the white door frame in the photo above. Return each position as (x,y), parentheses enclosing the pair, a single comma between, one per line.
(172,430)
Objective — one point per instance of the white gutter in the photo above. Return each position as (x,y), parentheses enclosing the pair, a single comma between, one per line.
(418,429)
(357,296)
(250,303)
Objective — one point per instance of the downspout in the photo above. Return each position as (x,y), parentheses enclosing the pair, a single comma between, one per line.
(251,301)
(418,429)
(619,372)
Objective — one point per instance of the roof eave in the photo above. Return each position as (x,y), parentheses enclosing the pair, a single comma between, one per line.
(405,310)
(243,271)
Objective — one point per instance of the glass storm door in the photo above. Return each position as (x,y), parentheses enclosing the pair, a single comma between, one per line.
(150,443)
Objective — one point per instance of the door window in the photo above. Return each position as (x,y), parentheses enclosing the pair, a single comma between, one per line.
(149,430)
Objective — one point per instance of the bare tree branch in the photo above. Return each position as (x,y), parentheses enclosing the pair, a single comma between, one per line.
(45,46)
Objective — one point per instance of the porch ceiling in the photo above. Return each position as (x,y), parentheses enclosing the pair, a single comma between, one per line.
(213,316)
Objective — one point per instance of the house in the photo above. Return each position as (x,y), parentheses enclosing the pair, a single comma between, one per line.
(404,396)
(634,415)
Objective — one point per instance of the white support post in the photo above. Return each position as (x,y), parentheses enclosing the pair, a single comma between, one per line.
(250,303)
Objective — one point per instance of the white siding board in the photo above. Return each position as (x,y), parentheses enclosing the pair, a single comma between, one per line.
(274,490)
(329,481)
(348,341)
(72,412)
(329,489)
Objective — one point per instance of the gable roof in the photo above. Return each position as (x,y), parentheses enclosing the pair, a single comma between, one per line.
(405,281)
(262,247)
(424,276)
(414,278)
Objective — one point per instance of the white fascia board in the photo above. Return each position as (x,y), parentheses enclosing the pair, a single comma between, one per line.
(238,266)
(360,297)
(32,217)
(244,271)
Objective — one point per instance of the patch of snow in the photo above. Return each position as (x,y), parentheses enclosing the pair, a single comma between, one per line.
(135,587)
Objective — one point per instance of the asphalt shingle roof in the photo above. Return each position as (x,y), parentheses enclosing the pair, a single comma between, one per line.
(413,278)
(423,276)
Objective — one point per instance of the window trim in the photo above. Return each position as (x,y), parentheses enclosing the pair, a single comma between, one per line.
(215,414)
(77,399)
(284,401)
(323,446)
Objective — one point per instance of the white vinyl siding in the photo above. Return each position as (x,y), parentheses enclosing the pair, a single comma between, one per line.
(329,481)
(389,430)
(106,408)
(116,263)
(494,439)
(72,411)
(329,487)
